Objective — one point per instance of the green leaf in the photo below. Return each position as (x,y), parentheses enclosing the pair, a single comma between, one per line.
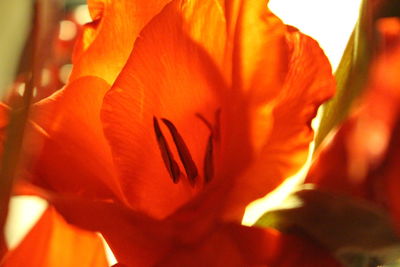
(356,231)
(351,75)
(15,20)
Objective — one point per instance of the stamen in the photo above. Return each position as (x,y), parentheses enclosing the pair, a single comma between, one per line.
(183,151)
(209,161)
(205,121)
(168,158)
(208,165)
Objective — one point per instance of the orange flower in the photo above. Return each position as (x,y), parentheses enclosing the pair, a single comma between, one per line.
(189,85)
(361,158)
(210,111)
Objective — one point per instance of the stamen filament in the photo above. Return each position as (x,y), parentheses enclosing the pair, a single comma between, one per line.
(167,156)
(183,151)
(209,161)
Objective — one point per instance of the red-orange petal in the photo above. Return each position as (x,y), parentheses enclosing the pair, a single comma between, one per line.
(134,238)
(105,45)
(70,152)
(286,117)
(53,242)
(258,62)
(236,245)
(259,56)
(137,240)
(170,75)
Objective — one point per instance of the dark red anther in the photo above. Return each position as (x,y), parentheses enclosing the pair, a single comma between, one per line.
(208,165)
(183,151)
(168,158)
(205,121)
(209,161)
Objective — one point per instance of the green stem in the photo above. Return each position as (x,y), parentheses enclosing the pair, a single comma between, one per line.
(351,75)
(12,147)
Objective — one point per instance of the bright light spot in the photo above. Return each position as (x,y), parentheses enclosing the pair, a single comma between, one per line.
(68,30)
(64,73)
(110,256)
(21,89)
(330,22)
(46,77)
(24,212)
(82,15)
(379,135)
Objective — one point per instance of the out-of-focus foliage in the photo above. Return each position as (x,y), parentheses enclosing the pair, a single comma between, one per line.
(75,2)
(354,230)
(351,74)
(15,19)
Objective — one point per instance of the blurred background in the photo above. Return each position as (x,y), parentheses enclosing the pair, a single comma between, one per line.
(64,19)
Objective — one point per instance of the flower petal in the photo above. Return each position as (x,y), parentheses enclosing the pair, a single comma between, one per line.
(74,155)
(236,245)
(259,60)
(259,52)
(135,239)
(285,143)
(52,242)
(273,248)
(105,44)
(168,76)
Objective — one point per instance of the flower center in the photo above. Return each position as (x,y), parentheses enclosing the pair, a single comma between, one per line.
(185,156)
